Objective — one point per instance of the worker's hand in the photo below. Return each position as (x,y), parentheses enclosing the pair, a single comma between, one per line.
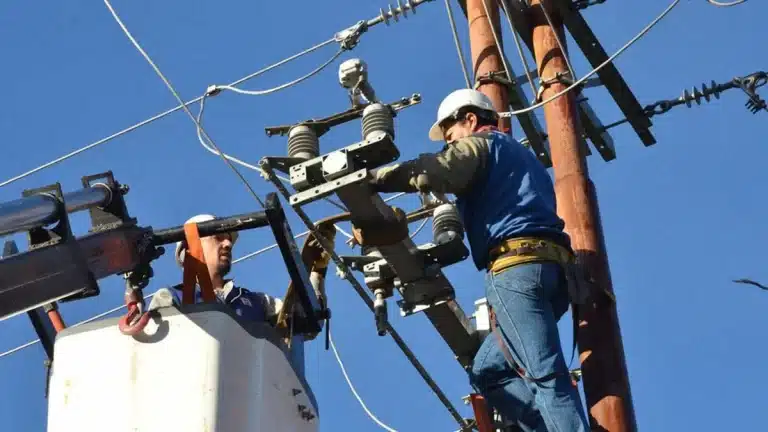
(319,256)
(382,234)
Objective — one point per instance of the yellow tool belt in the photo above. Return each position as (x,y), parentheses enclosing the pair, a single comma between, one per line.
(527,249)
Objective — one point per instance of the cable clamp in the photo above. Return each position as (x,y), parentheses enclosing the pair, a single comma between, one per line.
(563,78)
(498,77)
(349,38)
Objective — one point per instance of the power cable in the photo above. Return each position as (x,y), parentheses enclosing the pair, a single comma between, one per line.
(720,4)
(162,114)
(598,68)
(280,87)
(181,102)
(352,387)
(234,159)
(452,22)
(348,38)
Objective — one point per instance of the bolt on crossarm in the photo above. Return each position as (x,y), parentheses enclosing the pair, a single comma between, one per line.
(606,382)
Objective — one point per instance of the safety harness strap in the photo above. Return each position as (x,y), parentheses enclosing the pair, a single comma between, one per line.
(195,269)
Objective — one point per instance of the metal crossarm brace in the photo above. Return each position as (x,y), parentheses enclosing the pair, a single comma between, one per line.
(609,75)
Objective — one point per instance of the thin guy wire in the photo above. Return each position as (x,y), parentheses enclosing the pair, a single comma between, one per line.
(519,46)
(557,38)
(598,68)
(162,114)
(178,98)
(352,387)
(458,43)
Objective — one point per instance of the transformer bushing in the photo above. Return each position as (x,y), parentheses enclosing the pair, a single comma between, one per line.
(446,224)
(378,117)
(303,143)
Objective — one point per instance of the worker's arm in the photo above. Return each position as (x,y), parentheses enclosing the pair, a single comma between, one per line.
(272,306)
(452,170)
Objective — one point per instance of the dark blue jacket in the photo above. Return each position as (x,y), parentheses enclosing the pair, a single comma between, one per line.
(502,190)
(512,196)
(251,306)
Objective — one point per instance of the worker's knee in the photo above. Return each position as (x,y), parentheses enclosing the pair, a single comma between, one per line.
(489,368)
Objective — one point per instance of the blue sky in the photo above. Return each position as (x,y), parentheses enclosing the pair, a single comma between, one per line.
(682,218)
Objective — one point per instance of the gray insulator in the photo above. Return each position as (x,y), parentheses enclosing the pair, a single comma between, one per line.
(446,224)
(378,117)
(303,143)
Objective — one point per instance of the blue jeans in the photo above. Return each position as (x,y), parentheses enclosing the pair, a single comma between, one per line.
(528,300)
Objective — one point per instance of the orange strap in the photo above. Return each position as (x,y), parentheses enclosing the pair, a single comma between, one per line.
(195,269)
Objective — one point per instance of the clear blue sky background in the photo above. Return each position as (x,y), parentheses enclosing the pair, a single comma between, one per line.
(682,218)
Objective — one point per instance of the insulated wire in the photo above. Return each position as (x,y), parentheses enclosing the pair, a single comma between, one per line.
(236,160)
(720,4)
(594,71)
(286,85)
(458,43)
(178,98)
(163,114)
(352,387)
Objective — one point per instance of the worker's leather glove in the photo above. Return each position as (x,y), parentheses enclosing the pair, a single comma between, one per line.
(319,256)
(382,234)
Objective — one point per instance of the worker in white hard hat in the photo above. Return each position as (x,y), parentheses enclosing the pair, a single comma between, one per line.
(506,200)
(250,305)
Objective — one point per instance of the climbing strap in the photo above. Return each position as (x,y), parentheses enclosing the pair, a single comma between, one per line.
(195,269)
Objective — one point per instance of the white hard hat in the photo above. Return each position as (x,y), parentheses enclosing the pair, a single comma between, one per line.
(197,219)
(455,101)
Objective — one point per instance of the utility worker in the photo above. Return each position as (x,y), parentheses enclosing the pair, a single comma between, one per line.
(251,305)
(507,204)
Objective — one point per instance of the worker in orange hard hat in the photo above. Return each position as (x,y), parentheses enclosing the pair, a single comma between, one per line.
(506,200)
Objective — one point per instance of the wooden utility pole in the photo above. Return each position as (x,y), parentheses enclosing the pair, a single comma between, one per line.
(606,384)
(486,58)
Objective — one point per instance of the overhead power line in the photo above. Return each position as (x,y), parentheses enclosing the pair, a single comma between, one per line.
(161,115)
(348,38)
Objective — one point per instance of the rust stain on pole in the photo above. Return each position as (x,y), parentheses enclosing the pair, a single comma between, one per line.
(606,383)
(485,55)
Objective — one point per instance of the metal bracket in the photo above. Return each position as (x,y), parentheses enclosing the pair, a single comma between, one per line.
(38,316)
(309,311)
(115,212)
(374,152)
(323,125)
(61,234)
